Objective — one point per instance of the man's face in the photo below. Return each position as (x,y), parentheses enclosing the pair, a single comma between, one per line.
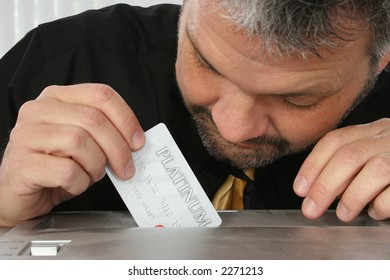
(252,108)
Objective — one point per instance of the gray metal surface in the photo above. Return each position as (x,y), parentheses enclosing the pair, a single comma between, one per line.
(243,235)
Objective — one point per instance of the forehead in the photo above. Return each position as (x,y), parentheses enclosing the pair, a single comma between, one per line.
(226,46)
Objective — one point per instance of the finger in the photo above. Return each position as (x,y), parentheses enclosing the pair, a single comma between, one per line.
(92,120)
(66,141)
(34,183)
(379,209)
(106,100)
(339,173)
(45,171)
(371,181)
(326,148)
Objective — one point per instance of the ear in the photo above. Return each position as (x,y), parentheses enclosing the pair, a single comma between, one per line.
(384,63)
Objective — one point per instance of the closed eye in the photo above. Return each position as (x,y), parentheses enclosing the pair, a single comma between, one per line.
(301,102)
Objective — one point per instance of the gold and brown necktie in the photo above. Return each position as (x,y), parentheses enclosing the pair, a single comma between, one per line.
(230,194)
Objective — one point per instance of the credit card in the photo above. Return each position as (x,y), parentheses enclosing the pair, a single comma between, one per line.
(164,191)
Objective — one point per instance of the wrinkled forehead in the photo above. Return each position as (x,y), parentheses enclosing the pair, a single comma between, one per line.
(205,26)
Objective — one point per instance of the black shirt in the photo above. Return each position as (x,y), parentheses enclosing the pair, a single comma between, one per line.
(133,50)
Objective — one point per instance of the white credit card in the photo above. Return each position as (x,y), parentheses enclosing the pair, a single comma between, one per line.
(164,191)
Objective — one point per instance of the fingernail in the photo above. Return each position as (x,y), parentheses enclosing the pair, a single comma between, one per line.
(372,213)
(309,207)
(342,212)
(301,186)
(138,140)
(130,169)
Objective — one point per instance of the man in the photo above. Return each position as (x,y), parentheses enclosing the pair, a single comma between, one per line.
(260,83)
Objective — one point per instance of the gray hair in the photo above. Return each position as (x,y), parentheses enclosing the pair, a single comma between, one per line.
(301,26)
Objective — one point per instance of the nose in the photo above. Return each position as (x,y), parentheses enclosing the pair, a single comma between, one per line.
(240,117)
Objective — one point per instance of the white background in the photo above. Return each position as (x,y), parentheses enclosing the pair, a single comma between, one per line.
(118,270)
(17,17)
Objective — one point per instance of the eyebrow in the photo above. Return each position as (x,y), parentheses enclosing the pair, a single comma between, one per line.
(325,91)
(195,45)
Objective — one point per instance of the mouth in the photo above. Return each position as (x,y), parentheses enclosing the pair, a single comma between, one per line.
(251,153)
(249,146)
